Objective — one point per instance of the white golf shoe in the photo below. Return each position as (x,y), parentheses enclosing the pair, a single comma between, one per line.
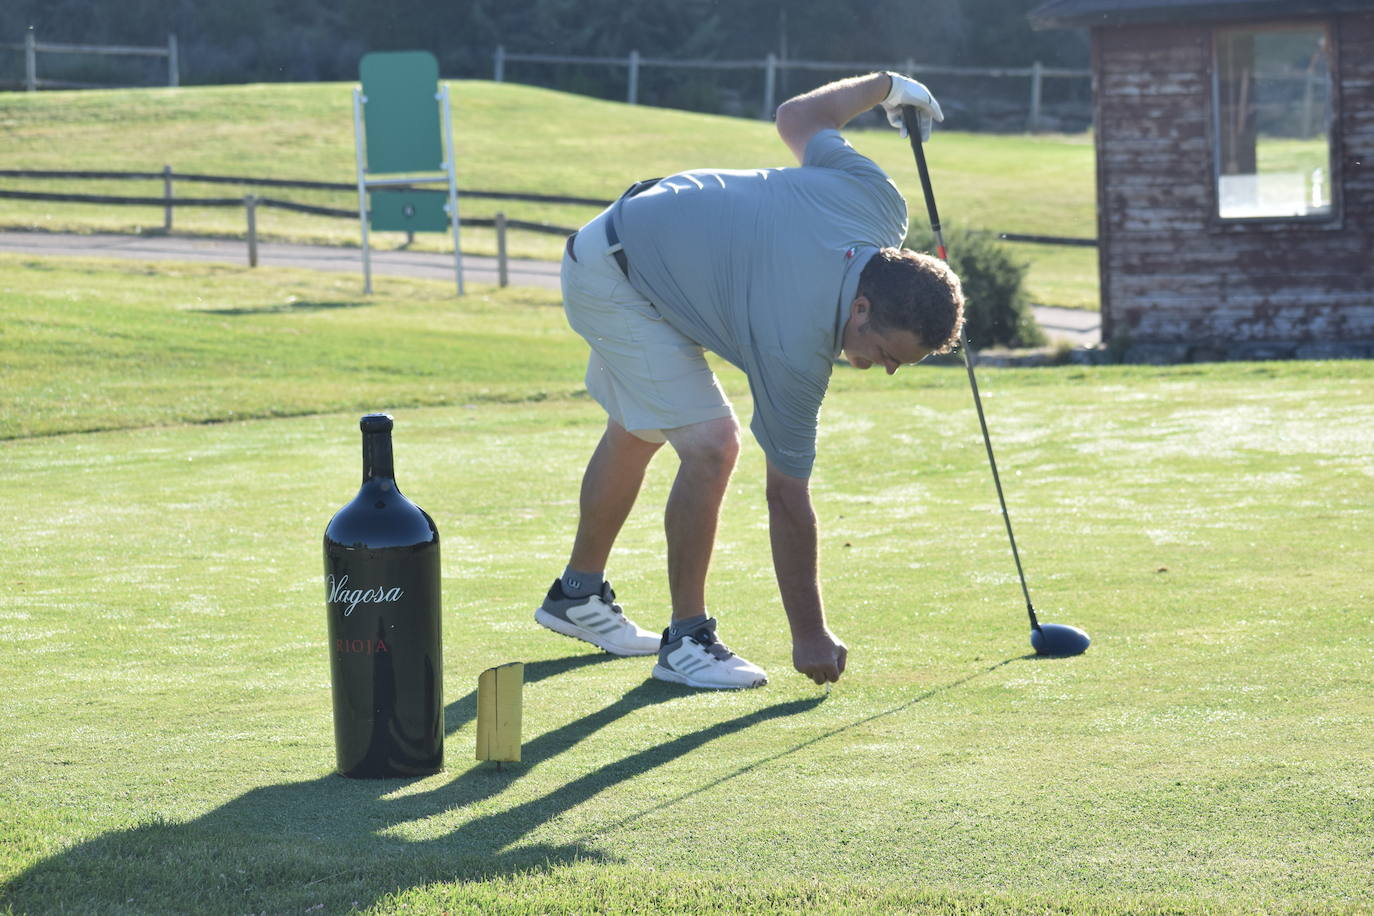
(698,659)
(596,619)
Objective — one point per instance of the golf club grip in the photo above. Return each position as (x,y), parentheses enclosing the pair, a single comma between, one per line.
(913,133)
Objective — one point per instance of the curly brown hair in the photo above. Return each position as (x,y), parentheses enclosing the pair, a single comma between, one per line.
(915,292)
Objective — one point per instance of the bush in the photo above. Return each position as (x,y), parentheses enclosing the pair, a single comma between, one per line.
(997,311)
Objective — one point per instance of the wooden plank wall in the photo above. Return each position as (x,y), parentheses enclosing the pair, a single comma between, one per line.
(1172,273)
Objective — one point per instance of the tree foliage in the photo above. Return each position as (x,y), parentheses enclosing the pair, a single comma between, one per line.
(306,40)
(997,310)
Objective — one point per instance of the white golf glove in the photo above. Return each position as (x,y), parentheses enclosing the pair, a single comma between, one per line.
(906,91)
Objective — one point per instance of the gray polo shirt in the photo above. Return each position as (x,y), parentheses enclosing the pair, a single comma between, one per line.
(761,267)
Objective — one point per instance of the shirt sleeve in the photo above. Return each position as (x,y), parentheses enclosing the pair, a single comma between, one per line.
(828,149)
(787,408)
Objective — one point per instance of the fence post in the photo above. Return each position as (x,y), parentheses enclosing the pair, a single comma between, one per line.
(633,93)
(173,61)
(770,83)
(167,196)
(30,61)
(500,64)
(1037,77)
(501,275)
(250,205)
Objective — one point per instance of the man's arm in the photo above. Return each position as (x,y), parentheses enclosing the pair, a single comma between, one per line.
(828,107)
(816,652)
(833,105)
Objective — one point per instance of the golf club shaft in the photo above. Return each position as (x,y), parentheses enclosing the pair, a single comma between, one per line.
(913,132)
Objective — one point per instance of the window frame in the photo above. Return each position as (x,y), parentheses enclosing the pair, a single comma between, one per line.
(1332,219)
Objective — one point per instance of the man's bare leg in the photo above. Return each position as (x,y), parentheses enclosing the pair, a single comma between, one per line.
(690,653)
(579,604)
(610,486)
(708,452)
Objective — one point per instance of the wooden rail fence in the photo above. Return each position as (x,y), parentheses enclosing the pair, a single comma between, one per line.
(32,47)
(772,65)
(250,202)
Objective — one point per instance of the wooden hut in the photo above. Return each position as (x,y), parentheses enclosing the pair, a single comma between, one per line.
(1235,174)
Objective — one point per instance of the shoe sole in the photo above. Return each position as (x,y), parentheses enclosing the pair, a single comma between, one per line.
(668,674)
(573,631)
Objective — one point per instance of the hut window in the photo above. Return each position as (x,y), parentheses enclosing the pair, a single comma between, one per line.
(1272,90)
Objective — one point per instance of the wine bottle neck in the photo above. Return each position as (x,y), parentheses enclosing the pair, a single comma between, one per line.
(377,458)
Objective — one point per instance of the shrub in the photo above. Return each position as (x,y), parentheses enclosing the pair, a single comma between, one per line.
(997,311)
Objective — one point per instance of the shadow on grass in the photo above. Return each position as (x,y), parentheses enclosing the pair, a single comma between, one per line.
(284,308)
(329,842)
(816,739)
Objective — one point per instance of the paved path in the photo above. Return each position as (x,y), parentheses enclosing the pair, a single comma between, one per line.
(1074,325)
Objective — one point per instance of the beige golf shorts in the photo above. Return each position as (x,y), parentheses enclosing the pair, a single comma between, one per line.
(647,375)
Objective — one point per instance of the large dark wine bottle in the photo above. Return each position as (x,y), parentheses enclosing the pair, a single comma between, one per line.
(381,575)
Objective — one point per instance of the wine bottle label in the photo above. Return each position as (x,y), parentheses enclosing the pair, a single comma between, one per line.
(348,599)
(364,646)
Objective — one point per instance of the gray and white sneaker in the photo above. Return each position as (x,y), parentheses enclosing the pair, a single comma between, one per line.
(596,619)
(698,659)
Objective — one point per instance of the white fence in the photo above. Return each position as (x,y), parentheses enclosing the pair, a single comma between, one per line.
(32,47)
(771,65)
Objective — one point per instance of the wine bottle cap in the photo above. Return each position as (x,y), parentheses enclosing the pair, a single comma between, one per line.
(376,423)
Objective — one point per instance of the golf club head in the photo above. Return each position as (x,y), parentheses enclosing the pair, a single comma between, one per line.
(1059,639)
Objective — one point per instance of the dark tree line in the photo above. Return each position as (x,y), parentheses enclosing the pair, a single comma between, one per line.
(235,41)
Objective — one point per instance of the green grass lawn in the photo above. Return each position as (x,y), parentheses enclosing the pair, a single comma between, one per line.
(177,438)
(508,138)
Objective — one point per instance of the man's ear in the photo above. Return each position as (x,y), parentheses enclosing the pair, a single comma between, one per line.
(859,307)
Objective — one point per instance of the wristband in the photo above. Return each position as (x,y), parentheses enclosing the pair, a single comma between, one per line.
(889,101)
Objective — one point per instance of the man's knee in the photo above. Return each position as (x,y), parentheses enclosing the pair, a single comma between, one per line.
(711,447)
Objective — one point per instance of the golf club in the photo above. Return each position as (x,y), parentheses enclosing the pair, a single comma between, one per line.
(1046,638)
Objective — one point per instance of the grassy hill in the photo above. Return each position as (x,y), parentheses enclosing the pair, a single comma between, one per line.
(509,138)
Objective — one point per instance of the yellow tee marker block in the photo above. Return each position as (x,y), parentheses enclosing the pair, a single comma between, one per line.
(498,712)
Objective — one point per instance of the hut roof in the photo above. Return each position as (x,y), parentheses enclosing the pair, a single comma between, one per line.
(1086,13)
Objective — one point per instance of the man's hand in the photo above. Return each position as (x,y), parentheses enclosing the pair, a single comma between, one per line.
(819,655)
(906,91)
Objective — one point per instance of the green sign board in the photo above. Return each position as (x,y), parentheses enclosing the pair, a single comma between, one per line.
(401,112)
(409,211)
